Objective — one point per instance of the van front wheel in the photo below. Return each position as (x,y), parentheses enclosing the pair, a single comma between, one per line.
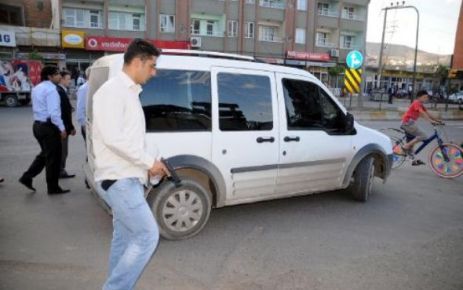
(362,183)
(181,212)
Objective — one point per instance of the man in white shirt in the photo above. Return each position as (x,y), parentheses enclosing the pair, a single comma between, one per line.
(82,104)
(49,130)
(123,164)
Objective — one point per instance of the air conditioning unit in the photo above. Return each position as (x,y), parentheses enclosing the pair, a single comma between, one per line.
(195,41)
(334,52)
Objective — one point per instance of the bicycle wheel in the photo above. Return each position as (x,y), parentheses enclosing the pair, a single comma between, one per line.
(447,169)
(397,160)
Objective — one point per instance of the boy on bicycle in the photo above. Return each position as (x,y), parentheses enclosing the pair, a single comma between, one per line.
(414,112)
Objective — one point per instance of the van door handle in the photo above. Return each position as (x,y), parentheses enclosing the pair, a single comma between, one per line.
(265,139)
(289,139)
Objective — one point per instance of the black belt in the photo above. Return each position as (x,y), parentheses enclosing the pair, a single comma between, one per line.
(47,122)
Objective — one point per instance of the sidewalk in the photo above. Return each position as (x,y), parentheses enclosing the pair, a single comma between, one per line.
(374,110)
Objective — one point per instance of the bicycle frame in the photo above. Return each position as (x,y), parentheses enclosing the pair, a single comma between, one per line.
(429,140)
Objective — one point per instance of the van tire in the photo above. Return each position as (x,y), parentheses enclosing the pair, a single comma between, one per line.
(181,212)
(362,183)
(11,101)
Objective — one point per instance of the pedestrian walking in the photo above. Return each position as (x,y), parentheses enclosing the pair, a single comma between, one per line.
(123,164)
(82,104)
(48,129)
(66,115)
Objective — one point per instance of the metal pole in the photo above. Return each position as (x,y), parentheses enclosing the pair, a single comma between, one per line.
(380,65)
(416,52)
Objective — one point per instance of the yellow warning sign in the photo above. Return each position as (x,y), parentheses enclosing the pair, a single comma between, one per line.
(352,80)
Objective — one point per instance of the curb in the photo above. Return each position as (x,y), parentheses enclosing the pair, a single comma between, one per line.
(397,115)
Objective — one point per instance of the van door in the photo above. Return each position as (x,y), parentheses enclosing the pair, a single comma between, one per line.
(245,132)
(314,150)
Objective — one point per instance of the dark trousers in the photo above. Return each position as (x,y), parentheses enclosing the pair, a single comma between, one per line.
(49,139)
(64,154)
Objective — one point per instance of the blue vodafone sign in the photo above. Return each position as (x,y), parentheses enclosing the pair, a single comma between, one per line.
(354,59)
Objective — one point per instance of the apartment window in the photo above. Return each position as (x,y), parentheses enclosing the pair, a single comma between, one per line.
(249,30)
(11,15)
(167,23)
(300,35)
(205,27)
(126,21)
(322,38)
(302,5)
(211,27)
(269,33)
(232,29)
(250,2)
(195,26)
(348,12)
(323,8)
(347,41)
(272,4)
(95,19)
(82,18)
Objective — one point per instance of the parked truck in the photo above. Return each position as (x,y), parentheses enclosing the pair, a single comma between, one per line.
(17,77)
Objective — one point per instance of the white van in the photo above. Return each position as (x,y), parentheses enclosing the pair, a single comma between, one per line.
(240,131)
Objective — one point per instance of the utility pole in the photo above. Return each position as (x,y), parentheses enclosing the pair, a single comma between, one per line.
(380,69)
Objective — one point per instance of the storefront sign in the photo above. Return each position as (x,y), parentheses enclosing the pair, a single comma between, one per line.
(118,44)
(115,44)
(7,38)
(302,55)
(72,39)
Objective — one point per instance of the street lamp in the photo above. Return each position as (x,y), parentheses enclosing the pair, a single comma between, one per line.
(380,67)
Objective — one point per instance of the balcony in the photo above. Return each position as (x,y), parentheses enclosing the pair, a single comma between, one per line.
(208,33)
(324,43)
(328,13)
(352,16)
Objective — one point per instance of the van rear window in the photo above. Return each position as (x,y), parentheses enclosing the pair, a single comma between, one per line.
(177,100)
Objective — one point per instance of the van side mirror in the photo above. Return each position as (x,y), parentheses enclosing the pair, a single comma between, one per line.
(349,123)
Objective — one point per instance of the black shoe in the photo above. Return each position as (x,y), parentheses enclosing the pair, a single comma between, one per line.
(26,182)
(66,175)
(59,191)
(417,162)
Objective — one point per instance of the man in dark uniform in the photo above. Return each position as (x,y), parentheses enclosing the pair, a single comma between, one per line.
(66,115)
(48,129)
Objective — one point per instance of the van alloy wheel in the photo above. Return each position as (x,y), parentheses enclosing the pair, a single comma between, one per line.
(181,212)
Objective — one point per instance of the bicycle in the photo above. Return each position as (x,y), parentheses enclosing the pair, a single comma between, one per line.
(445,159)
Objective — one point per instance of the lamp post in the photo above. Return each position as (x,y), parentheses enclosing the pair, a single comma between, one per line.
(380,67)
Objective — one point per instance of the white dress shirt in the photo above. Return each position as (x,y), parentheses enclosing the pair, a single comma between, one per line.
(81,104)
(46,104)
(118,131)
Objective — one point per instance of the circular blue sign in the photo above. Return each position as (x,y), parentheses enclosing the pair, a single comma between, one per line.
(354,59)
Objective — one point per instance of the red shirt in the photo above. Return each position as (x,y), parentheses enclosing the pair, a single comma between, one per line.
(413,111)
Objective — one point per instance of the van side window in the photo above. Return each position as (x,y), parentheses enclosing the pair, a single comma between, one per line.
(245,102)
(309,107)
(177,100)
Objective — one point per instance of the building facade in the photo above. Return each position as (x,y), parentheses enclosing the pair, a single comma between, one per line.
(311,34)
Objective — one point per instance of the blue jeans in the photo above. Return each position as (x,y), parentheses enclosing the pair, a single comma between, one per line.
(135,235)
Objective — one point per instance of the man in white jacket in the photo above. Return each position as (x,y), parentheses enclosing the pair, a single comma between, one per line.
(123,164)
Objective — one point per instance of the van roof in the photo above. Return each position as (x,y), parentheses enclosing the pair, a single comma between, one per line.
(204,61)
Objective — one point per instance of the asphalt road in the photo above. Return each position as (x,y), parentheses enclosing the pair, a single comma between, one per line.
(409,235)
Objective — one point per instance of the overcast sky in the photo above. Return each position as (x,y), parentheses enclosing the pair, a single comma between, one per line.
(438,22)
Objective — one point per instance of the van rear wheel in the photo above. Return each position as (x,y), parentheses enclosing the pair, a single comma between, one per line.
(181,212)
(11,100)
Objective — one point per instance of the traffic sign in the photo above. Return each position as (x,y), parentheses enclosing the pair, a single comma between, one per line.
(352,80)
(354,59)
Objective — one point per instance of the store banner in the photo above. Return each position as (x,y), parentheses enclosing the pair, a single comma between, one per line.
(119,44)
(302,55)
(7,38)
(72,39)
